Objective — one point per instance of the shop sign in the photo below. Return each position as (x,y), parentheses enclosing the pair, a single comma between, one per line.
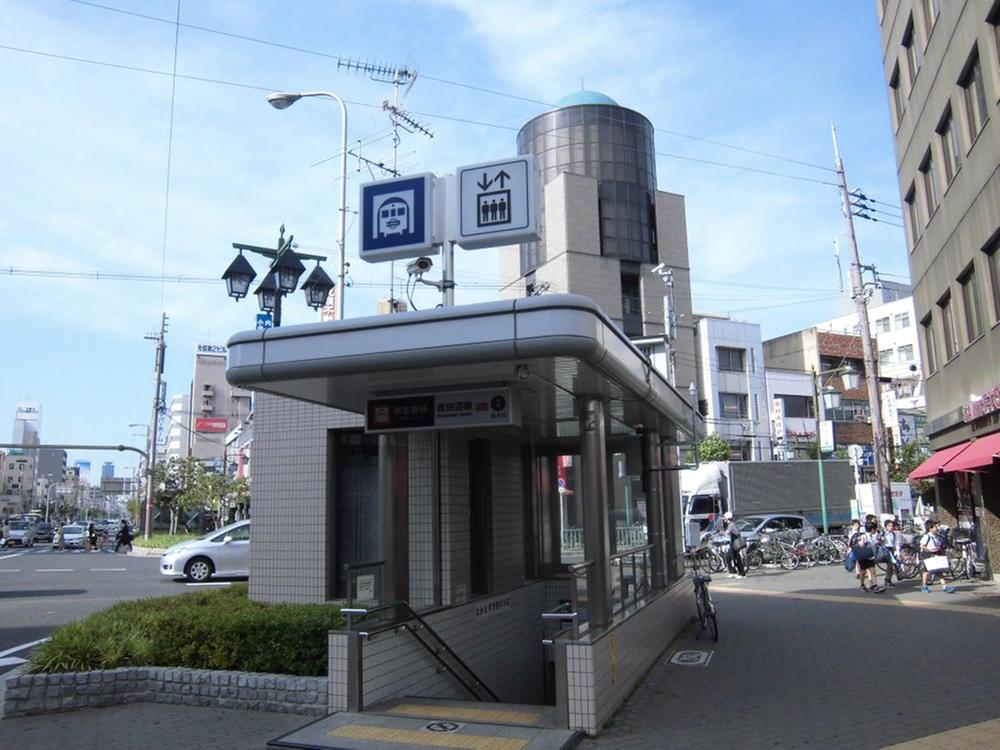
(985,405)
(490,407)
(209,424)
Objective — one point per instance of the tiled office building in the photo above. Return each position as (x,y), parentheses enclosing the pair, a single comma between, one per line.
(942,65)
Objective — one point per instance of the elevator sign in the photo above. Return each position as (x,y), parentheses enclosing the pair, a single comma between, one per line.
(497,203)
(441,411)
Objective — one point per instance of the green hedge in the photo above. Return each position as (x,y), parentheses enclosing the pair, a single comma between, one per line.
(212,629)
(161,541)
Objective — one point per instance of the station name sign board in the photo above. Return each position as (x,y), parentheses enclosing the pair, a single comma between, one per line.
(487,407)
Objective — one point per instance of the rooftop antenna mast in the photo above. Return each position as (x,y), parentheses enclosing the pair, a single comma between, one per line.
(397,75)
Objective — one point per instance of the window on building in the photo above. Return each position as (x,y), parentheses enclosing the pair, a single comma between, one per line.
(993,263)
(850,410)
(948,327)
(886,357)
(901,320)
(975,95)
(733,405)
(912,50)
(797,407)
(951,149)
(631,305)
(931,196)
(905,353)
(882,325)
(932,9)
(930,344)
(898,100)
(913,223)
(970,302)
(730,360)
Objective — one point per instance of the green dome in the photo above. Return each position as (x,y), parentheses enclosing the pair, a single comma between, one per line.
(577,98)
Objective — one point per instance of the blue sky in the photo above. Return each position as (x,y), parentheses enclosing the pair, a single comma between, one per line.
(85,147)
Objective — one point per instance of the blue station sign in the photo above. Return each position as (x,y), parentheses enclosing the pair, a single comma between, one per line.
(396,218)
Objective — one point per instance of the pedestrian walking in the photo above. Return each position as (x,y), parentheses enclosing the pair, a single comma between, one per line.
(91,537)
(932,546)
(124,537)
(890,541)
(864,553)
(734,552)
(853,537)
(61,537)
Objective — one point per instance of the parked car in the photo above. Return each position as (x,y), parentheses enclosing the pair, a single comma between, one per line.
(43,532)
(750,527)
(73,535)
(20,532)
(223,552)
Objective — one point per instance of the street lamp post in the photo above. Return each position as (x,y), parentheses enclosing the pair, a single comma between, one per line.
(284,100)
(281,278)
(831,400)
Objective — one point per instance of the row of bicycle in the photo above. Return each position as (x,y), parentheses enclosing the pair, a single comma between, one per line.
(793,549)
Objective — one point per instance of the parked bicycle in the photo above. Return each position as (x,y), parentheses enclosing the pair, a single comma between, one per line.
(705,606)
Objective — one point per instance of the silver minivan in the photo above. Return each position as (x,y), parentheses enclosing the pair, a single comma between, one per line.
(21,532)
(223,552)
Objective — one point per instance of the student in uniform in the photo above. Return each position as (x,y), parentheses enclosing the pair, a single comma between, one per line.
(931,546)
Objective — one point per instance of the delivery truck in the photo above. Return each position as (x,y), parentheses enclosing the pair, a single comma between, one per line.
(764,487)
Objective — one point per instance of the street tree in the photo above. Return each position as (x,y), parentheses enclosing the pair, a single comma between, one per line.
(714,448)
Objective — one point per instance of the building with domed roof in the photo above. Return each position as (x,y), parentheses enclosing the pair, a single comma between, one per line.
(605,226)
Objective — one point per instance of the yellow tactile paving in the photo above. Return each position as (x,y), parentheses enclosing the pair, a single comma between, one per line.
(985,736)
(498,716)
(426,739)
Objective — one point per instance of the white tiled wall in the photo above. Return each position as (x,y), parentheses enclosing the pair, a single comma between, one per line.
(600,675)
(423,520)
(289,498)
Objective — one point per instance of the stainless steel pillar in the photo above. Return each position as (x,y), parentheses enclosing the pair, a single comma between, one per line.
(654,508)
(596,534)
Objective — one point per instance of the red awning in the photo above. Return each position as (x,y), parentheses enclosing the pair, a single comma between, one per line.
(938,462)
(979,454)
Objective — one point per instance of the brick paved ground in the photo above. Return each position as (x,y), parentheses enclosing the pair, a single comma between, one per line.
(805,659)
(149,726)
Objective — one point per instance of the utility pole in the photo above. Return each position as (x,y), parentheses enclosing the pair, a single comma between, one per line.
(883,498)
(153,421)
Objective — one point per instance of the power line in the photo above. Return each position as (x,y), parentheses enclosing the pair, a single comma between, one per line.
(436,79)
(170,152)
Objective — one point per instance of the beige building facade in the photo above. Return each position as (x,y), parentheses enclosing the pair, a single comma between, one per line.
(942,65)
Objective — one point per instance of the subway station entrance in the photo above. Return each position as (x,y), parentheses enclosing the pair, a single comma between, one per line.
(489,493)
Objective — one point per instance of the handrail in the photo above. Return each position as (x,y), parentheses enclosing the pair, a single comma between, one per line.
(579,568)
(633,551)
(456,657)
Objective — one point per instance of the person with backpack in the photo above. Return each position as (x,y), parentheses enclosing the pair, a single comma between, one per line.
(734,552)
(865,551)
(932,545)
(853,535)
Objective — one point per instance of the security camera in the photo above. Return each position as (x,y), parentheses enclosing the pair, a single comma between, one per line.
(419,266)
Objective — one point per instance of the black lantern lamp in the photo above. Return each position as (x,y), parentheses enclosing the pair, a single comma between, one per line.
(267,293)
(317,287)
(238,277)
(287,268)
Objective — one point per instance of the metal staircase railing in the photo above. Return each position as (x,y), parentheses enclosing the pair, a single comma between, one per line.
(427,637)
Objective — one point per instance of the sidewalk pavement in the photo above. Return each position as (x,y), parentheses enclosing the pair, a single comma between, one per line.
(806,659)
(803,659)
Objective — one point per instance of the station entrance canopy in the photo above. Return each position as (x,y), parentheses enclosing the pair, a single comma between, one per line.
(545,351)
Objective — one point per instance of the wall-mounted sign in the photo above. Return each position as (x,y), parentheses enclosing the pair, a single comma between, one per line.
(986,404)
(365,588)
(778,408)
(497,203)
(488,407)
(396,218)
(211,424)
(212,349)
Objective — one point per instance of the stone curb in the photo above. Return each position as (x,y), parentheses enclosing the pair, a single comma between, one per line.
(32,694)
(146,552)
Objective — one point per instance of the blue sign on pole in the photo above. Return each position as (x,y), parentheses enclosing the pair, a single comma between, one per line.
(396,218)
(264,321)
